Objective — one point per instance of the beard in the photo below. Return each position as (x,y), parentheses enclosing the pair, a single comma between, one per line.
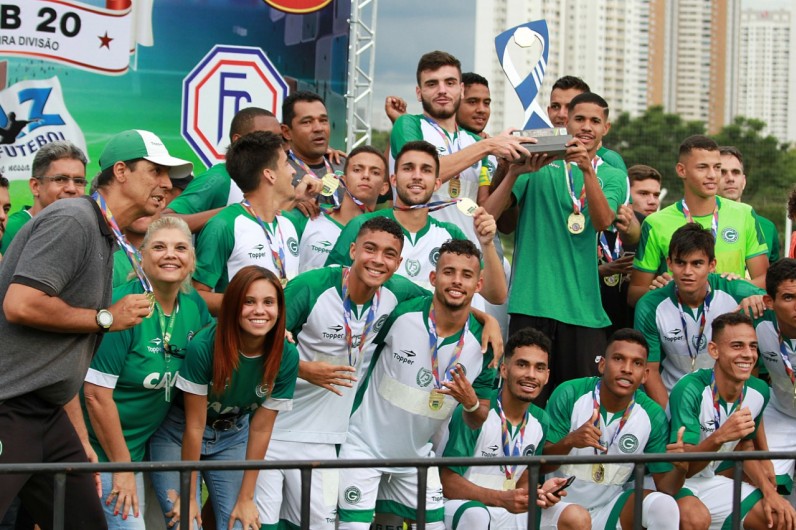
(439,114)
(409,201)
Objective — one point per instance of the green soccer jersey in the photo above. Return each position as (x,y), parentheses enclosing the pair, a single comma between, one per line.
(208,191)
(245,391)
(122,268)
(738,239)
(13,224)
(674,338)
(645,430)
(772,238)
(420,252)
(554,271)
(612,158)
(487,442)
(234,239)
(141,371)
(692,406)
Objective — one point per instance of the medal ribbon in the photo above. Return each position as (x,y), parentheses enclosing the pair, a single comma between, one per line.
(714,388)
(361,205)
(702,321)
(625,415)
(508,450)
(167,328)
(783,352)
(714,224)
(278,255)
(605,250)
(369,320)
(437,127)
(432,342)
(306,168)
(578,203)
(129,250)
(432,206)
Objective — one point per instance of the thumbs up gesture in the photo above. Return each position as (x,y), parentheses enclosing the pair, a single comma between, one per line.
(678,447)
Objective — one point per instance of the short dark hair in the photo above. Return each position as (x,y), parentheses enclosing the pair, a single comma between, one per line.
(418,145)
(729,319)
(589,97)
(697,141)
(249,155)
(243,120)
(462,247)
(690,238)
(380,223)
(105,177)
(289,104)
(569,82)
(471,78)
(731,150)
(58,150)
(366,149)
(434,61)
(527,337)
(779,272)
(629,335)
(641,172)
(3,182)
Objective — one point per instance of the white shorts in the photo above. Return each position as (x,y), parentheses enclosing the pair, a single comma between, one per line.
(456,516)
(716,494)
(781,435)
(278,492)
(607,515)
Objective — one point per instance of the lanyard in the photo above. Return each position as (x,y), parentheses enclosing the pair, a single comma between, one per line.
(277,255)
(448,145)
(702,321)
(369,320)
(607,254)
(167,329)
(596,401)
(129,250)
(508,449)
(306,168)
(714,225)
(579,203)
(714,388)
(432,206)
(432,342)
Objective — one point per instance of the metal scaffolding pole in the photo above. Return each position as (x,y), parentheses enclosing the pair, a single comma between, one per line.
(361,66)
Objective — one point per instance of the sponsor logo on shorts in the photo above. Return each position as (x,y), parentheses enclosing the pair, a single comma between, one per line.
(674,335)
(628,443)
(433,257)
(529,450)
(292,246)
(729,235)
(379,323)
(424,377)
(412,267)
(352,495)
(403,357)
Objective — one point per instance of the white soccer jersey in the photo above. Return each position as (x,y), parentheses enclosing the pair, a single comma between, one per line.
(317,241)
(783,395)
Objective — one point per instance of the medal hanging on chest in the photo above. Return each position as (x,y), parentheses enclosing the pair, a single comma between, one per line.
(436,399)
(576,222)
(598,470)
(509,448)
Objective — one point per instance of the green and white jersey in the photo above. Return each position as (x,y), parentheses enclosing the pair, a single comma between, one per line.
(234,239)
(612,158)
(315,317)
(412,127)
(212,189)
(783,395)
(771,237)
(244,393)
(645,431)
(550,263)
(671,344)
(134,364)
(318,237)
(487,442)
(738,239)
(420,252)
(395,398)
(14,222)
(691,406)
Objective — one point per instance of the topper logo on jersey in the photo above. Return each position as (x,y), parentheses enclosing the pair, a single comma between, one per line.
(729,235)
(334,333)
(770,356)
(412,267)
(708,427)
(352,495)
(674,335)
(424,377)
(324,248)
(156,348)
(434,256)
(292,246)
(403,357)
(257,252)
(628,443)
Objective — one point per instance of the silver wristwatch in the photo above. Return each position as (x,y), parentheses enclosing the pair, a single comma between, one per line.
(104,319)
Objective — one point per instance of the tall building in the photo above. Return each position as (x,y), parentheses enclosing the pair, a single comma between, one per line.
(768,70)
(605,42)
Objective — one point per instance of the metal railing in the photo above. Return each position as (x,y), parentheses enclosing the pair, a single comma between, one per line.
(421,464)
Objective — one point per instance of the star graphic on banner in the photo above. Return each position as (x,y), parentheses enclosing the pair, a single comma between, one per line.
(105,41)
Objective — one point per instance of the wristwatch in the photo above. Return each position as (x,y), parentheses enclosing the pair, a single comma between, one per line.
(104,319)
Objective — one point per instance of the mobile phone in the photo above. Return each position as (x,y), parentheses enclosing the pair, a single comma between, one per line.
(564,486)
(628,253)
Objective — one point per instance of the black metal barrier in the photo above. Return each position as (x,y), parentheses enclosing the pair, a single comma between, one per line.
(421,464)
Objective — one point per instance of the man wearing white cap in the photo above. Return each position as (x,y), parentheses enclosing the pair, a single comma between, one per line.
(55,288)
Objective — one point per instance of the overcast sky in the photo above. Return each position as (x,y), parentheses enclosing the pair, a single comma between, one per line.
(407,29)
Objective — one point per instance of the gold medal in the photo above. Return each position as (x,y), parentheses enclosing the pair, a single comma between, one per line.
(455,187)
(151,297)
(330,184)
(467,206)
(576,223)
(283,281)
(509,484)
(611,281)
(435,400)
(597,473)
